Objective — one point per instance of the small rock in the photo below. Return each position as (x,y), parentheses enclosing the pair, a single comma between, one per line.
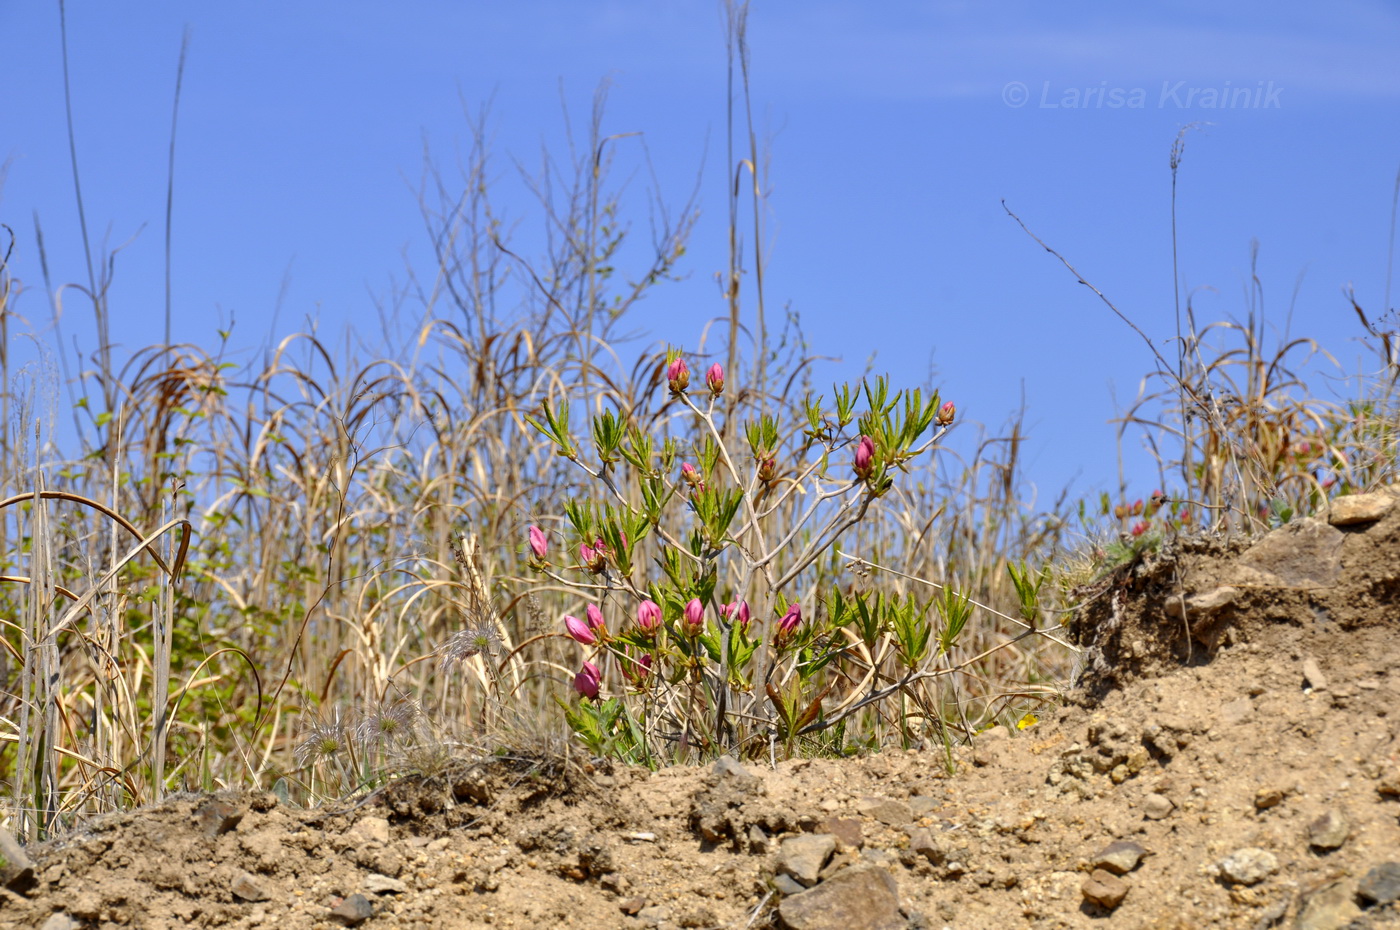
(1119,857)
(247,888)
(1236,711)
(59,921)
(987,752)
(728,765)
(217,816)
(353,911)
(1248,866)
(1105,889)
(922,843)
(1157,806)
(1330,908)
(16,868)
(656,914)
(1312,675)
(803,856)
(758,840)
(383,884)
(1382,884)
(858,898)
(921,804)
(1267,797)
(1328,831)
(886,810)
(847,831)
(370,830)
(786,885)
(630,906)
(1360,508)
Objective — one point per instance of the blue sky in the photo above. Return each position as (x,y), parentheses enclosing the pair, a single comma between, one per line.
(894,132)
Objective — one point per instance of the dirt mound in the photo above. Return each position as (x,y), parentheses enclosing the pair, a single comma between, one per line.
(1231,759)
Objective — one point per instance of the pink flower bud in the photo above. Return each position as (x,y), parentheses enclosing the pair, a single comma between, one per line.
(636,670)
(946,414)
(694,618)
(579,631)
(865,457)
(538,544)
(678,376)
(1140,527)
(788,624)
(767,469)
(715,378)
(595,619)
(689,475)
(594,557)
(588,680)
(648,616)
(737,613)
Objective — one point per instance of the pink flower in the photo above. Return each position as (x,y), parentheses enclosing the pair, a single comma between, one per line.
(788,624)
(865,457)
(595,619)
(1140,527)
(594,557)
(946,414)
(715,378)
(678,376)
(539,545)
(588,680)
(648,616)
(737,613)
(579,631)
(694,618)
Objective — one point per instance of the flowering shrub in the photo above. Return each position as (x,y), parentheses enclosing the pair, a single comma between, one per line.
(718,558)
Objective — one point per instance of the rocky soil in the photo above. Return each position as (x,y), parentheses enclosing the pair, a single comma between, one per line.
(1229,758)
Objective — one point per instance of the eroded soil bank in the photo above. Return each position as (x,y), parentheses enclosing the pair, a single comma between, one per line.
(1245,775)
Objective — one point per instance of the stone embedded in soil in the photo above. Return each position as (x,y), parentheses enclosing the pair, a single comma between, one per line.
(383,884)
(803,856)
(728,765)
(1381,885)
(16,869)
(247,888)
(858,898)
(59,921)
(353,911)
(1312,675)
(1236,711)
(1248,866)
(1157,806)
(1119,857)
(369,830)
(886,810)
(1329,908)
(847,831)
(1105,889)
(1268,796)
(1329,831)
(921,804)
(630,906)
(217,816)
(922,843)
(787,885)
(1360,508)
